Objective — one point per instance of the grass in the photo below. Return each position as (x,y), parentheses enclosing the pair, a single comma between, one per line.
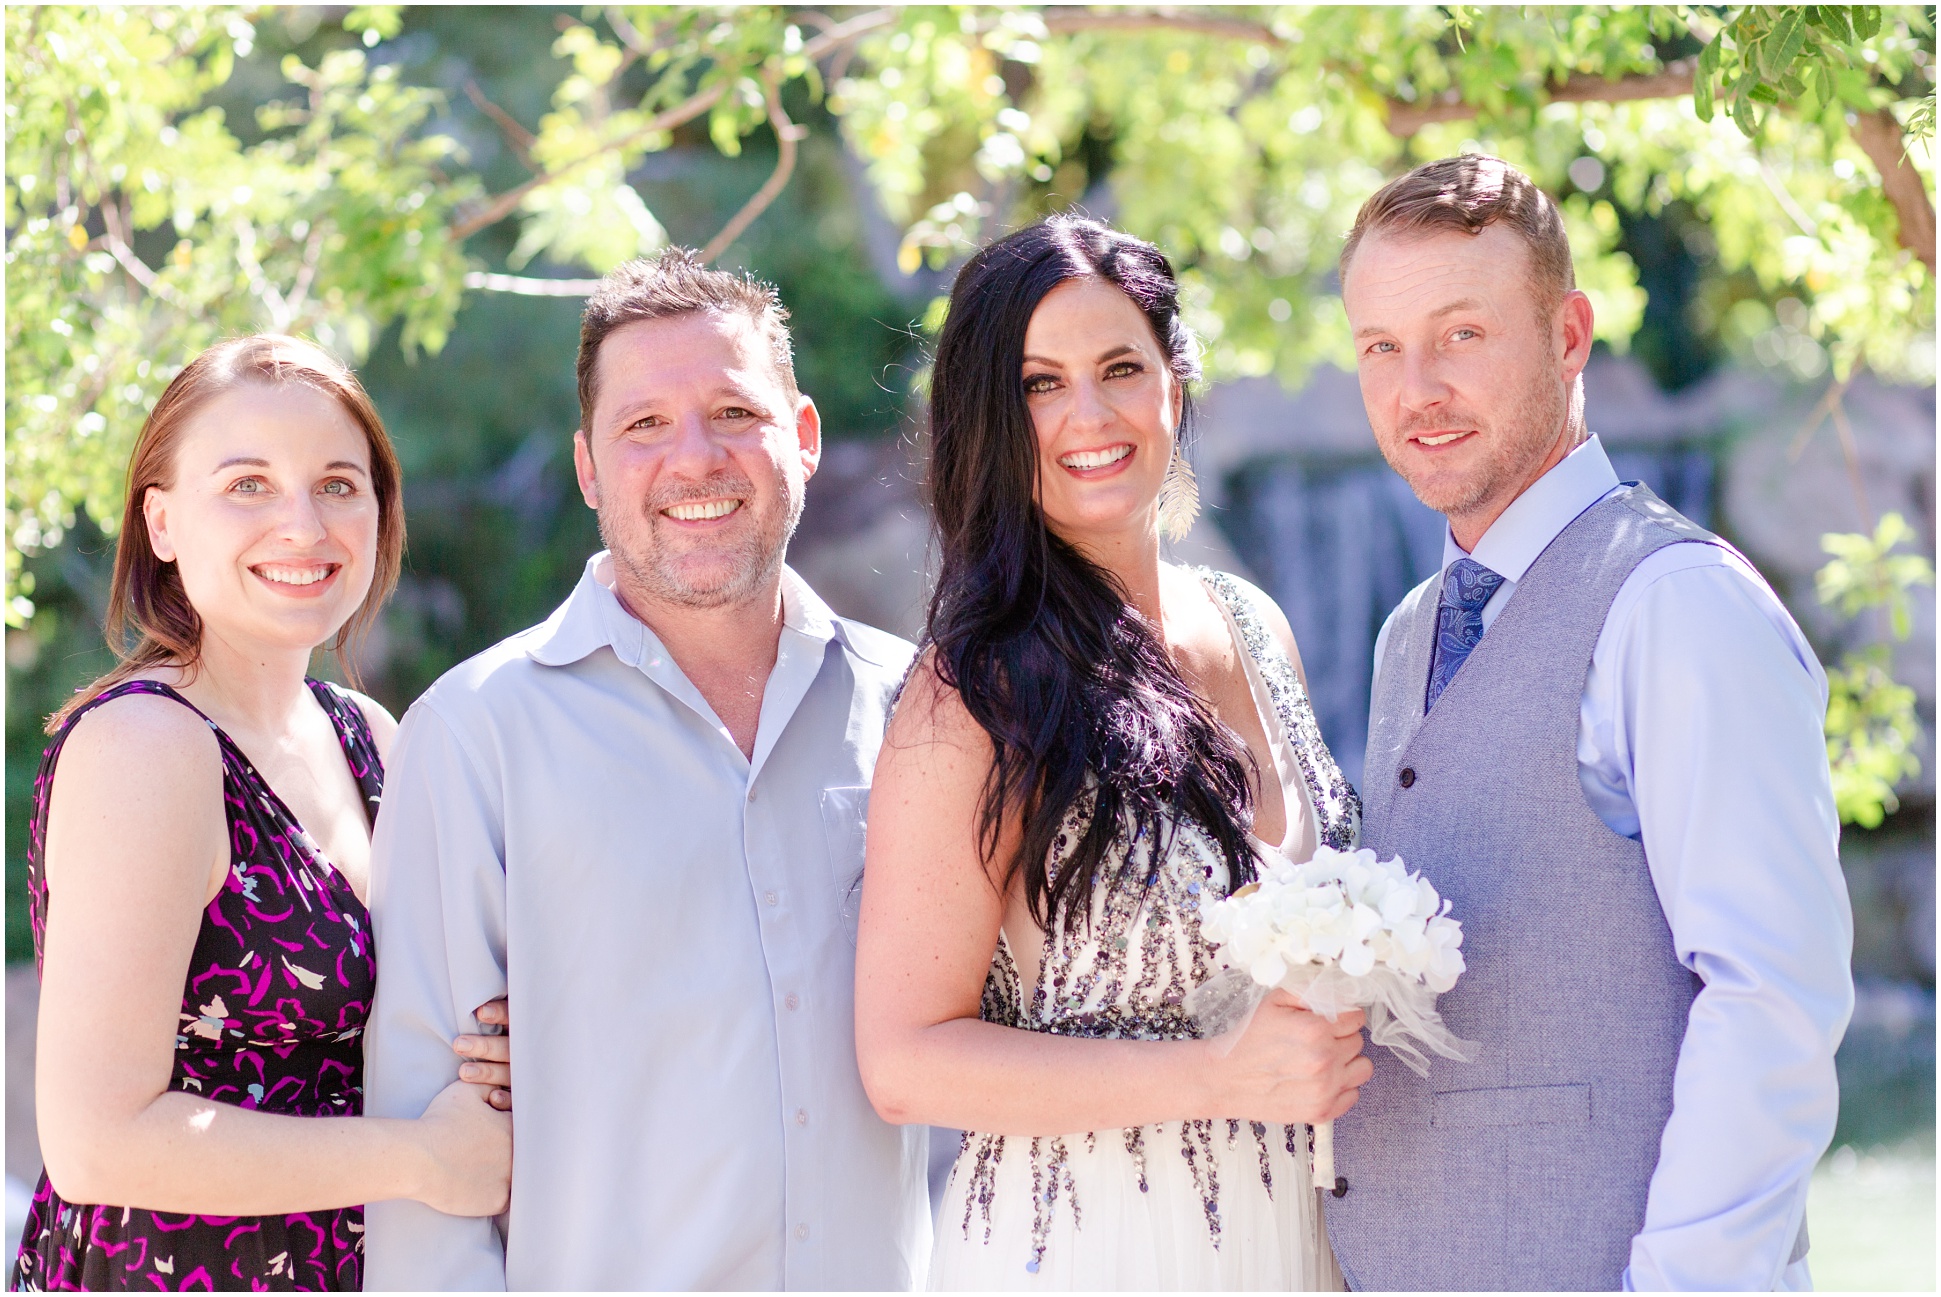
(1871,1219)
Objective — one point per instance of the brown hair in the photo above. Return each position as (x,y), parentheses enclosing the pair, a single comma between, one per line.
(675,283)
(146,601)
(1470,193)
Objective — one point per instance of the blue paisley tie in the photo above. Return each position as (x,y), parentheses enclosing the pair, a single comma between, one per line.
(1466,587)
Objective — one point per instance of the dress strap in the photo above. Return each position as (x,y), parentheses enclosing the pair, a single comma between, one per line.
(152,687)
(355,737)
(1336,805)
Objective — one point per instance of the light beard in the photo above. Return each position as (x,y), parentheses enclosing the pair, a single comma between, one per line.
(1522,439)
(654,569)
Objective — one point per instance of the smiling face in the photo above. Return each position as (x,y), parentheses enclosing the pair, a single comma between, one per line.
(270,516)
(1470,388)
(1105,407)
(696,459)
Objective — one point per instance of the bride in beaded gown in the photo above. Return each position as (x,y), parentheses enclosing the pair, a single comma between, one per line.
(1091,743)
(1210,1204)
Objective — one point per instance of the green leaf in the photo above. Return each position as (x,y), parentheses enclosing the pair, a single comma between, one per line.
(1704,81)
(1743,113)
(1866,21)
(1787,39)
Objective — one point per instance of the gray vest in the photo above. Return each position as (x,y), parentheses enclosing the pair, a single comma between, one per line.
(1528,1168)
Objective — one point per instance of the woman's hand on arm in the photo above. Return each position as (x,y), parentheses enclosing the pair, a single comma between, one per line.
(137,844)
(931,914)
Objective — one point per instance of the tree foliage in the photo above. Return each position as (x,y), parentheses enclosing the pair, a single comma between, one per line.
(140,229)
(142,223)
(1871,726)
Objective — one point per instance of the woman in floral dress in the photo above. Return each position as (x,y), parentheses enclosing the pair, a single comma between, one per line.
(202,820)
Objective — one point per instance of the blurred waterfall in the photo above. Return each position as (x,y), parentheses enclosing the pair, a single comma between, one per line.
(1338,539)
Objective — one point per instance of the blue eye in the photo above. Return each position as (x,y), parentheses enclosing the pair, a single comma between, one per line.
(338,486)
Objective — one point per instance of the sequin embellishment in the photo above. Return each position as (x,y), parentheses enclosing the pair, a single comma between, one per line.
(1126,975)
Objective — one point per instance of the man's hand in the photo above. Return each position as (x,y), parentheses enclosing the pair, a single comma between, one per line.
(488,1059)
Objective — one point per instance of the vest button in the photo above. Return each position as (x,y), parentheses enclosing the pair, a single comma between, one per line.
(1408,776)
(1340,1189)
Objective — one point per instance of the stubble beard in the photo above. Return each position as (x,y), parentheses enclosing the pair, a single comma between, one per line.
(1513,445)
(659,570)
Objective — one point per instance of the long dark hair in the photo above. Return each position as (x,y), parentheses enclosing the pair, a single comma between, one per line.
(1040,643)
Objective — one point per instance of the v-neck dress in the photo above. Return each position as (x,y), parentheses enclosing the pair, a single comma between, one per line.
(272,1019)
(1202,1205)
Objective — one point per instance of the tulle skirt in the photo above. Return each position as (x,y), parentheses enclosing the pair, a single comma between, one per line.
(1202,1205)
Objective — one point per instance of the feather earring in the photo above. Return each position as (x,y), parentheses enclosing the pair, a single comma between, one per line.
(1179,498)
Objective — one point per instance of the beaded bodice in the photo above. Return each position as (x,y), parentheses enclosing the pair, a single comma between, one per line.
(1127,972)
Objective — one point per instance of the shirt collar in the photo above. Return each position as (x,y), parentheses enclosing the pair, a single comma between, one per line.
(1534,519)
(593,618)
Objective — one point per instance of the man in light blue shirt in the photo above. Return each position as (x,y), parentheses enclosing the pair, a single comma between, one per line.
(643,822)
(1658,926)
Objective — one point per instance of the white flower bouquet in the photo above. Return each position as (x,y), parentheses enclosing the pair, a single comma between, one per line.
(1343,931)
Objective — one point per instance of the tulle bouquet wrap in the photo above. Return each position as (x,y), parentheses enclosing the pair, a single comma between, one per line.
(1343,931)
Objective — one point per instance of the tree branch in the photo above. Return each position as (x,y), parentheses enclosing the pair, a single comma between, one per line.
(138,270)
(498,208)
(1879,135)
(1674,79)
(518,137)
(787,133)
(1072,19)
(527,286)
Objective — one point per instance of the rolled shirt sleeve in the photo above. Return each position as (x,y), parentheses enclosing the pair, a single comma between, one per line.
(1704,711)
(438,911)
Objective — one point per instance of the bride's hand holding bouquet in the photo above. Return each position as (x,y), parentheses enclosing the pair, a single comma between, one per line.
(1341,933)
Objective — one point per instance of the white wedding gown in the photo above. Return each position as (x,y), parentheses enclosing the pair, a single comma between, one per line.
(1197,1205)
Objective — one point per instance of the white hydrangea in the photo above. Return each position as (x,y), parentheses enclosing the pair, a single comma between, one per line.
(1342,908)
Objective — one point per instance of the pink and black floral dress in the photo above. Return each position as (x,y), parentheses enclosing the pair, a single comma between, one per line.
(273,1019)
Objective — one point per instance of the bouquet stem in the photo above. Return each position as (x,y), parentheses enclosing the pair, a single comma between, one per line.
(1324,1155)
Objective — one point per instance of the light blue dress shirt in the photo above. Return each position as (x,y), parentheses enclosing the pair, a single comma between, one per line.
(567,821)
(1702,737)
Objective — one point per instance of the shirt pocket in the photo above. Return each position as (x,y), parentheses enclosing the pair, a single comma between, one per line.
(844,814)
(1516,1105)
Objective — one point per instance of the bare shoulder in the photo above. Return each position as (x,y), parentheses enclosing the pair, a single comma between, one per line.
(142,773)
(156,737)
(930,711)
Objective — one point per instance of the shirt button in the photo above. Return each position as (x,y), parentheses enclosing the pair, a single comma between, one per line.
(793,1001)
(801,1116)
(771,898)
(1340,1189)
(802,1231)
(1408,776)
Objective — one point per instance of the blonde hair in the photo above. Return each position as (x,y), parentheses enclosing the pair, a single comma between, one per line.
(1469,194)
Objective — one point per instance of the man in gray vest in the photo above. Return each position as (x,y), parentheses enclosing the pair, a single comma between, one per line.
(1598,733)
